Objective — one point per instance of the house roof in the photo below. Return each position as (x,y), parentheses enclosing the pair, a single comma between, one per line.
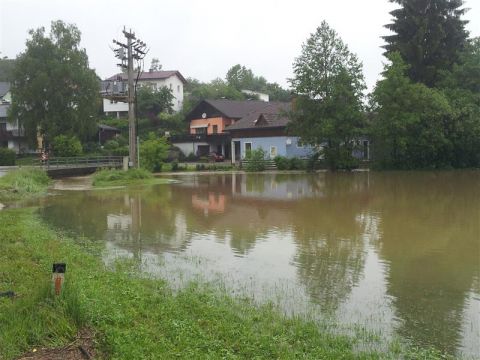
(271,115)
(4,88)
(106,127)
(151,75)
(233,109)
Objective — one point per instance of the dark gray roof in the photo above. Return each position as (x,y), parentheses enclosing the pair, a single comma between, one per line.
(237,109)
(271,115)
(4,88)
(106,127)
(150,75)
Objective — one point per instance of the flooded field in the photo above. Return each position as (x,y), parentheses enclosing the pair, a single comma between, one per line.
(396,253)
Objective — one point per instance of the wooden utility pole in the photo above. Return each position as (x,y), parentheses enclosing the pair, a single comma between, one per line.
(135,50)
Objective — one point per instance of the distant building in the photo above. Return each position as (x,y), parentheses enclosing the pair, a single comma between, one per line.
(117,85)
(11,135)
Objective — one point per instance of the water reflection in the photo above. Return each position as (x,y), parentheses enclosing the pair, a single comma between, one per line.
(406,243)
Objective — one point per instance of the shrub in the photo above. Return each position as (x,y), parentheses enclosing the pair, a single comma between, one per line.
(175,165)
(7,157)
(64,146)
(255,160)
(153,152)
(191,157)
(295,164)
(312,162)
(281,162)
(200,167)
(112,176)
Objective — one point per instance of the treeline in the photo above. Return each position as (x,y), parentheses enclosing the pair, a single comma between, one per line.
(423,113)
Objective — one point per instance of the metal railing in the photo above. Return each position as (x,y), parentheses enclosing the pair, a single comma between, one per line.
(79,162)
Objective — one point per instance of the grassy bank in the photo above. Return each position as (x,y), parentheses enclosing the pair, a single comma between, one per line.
(22,183)
(112,177)
(138,318)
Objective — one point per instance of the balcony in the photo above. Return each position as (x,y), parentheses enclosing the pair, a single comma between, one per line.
(214,138)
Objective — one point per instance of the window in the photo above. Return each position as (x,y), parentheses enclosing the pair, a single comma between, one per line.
(248,147)
(200,131)
(171,86)
(273,151)
(215,129)
(3,127)
(178,88)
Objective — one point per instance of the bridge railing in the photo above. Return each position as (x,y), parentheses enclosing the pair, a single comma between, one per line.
(74,162)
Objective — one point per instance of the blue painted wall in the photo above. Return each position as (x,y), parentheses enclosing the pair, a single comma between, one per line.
(283,149)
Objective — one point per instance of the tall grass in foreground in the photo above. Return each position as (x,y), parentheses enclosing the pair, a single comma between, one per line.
(141,318)
(23,182)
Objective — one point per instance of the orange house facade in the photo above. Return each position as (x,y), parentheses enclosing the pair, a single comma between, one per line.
(209,126)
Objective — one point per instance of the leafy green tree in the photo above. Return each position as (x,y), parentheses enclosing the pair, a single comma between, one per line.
(461,85)
(409,123)
(66,146)
(428,34)
(6,69)
(328,110)
(240,78)
(151,102)
(53,90)
(153,152)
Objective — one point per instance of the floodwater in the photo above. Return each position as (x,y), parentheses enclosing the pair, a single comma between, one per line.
(397,253)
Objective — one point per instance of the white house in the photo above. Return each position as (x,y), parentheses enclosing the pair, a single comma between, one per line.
(117,85)
(11,136)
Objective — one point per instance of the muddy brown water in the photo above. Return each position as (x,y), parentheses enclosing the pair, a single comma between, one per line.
(397,253)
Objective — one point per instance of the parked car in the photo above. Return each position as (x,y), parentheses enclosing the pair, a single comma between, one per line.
(216,157)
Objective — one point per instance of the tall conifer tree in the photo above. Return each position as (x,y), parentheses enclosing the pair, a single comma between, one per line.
(429,35)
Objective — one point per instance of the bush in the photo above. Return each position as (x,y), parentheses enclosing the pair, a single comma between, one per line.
(112,176)
(200,167)
(295,164)
(64,146)
(191,157)
(255,160)
(175,165)
(153,152)
(281,162)
(313,162)
(7,157)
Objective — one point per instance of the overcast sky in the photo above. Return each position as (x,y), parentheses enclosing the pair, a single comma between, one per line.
(204,38)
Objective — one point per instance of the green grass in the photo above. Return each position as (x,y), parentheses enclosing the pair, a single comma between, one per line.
(141,318)
(112,177)
(22,183)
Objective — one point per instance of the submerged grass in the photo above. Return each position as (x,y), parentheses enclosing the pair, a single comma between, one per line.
(141,318)
(24,182)
(113,177)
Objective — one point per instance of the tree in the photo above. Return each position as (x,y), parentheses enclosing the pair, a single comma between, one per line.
(53,90)
(240,78)
(410,120)
(153,152)
(428,34)
(329,84)
(6,69)
(155,65)
(65,146)
(151,102)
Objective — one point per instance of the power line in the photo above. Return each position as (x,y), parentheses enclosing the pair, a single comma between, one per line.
(133,50)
